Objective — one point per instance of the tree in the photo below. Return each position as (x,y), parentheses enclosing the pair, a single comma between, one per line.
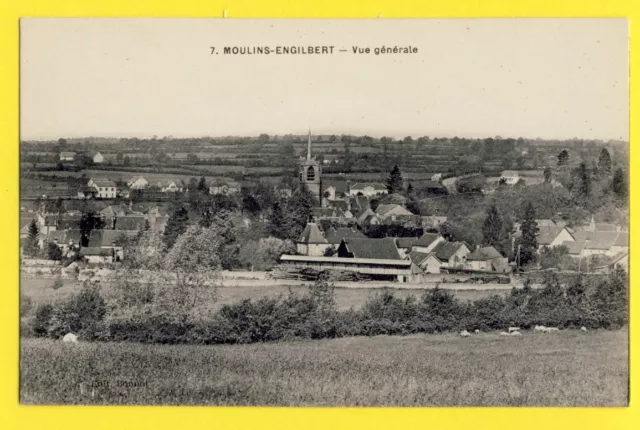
(563,158)
(31,247)
(409,189)
(264,253)
(394,180)
(583,186)
(492,231)
(192,158)
(604,162)
(528,240)
(547,174)
(89,221)
(276,222)
(373,204)
(202,185)
(176,225)
(263,138)
(620,183)
(299,212)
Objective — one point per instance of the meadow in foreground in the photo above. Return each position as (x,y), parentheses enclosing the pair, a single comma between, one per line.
(569,368)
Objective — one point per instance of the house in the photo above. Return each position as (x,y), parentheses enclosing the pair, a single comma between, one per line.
(67,240)
(130,222)
(137,183)
(367,189)
(452,255)
(343,205)
(87,192)
(436,177)
(327,213)
(426,261)
(170,186)
(335,190)
(427,242)
(602,243)
(94,255)
(67,156)
(510,177)
(98,158)
(382,269)
(224,188)
(391,211)
(433,221)
(105,188)
(553,236)
(574,248)
(312,242)
(112,240)
(487,259)
(335,235)
(406,244)
(366,248)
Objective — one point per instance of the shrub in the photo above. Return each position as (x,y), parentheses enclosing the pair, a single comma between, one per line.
(57,284)
(42,321)
(82,314)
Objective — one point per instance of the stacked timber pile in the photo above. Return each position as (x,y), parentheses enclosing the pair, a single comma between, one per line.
(308,274)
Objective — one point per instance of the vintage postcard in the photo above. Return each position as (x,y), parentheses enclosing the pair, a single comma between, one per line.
(320,212)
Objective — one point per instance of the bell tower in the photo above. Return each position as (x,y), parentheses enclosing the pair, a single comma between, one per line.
(310,173)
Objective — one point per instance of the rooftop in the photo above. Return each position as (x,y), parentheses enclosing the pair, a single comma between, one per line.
(484,254)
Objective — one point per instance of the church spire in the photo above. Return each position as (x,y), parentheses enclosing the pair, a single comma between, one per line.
(309,146)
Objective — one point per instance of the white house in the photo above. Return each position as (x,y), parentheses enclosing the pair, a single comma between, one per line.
(169,186)
(391,211)
(436,177)
(487,259)
(312,242)
(427,242)
(553,236)
(105,188)
(510,177)
(428,262)
(67,156)
(137,183)
(367,189)
(98,158)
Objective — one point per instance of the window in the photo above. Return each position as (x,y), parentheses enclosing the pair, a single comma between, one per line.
(311,174)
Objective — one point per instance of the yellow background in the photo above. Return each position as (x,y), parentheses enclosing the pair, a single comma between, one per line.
(14,416)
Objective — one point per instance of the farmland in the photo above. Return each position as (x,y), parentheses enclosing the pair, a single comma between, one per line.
(569,368)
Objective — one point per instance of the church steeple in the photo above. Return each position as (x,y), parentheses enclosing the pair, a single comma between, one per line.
(309,146)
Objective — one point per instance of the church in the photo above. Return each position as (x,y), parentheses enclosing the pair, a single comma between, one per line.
(310,173)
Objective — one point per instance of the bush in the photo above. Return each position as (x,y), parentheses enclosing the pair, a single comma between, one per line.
(26,305)
(42,321)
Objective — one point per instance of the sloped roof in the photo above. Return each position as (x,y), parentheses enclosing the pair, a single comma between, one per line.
(383,249)
(605,227)
(622,239)
(484,254)
(546,223)
(582,235)
(335,235)
(69,222)
(419,257)
(574,248)
(98,238)
(546,235)
(312,234)
(602,240)
(384,210)
(103,183)
(365,214)
(362,185)
(361,202)
(327,212)
(108,211)
(406,242)
(65,236)
(95,251)
(427,239)
(130,222)
(445,250)
(26,220)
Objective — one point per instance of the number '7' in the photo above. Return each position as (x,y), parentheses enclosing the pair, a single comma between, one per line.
(212,49)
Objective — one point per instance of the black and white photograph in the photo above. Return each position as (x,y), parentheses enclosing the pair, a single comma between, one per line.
(324,213)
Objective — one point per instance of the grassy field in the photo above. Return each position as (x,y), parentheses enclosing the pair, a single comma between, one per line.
(40,291)
(569,368)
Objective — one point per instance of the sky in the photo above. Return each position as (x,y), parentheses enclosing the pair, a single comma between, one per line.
(124,77)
